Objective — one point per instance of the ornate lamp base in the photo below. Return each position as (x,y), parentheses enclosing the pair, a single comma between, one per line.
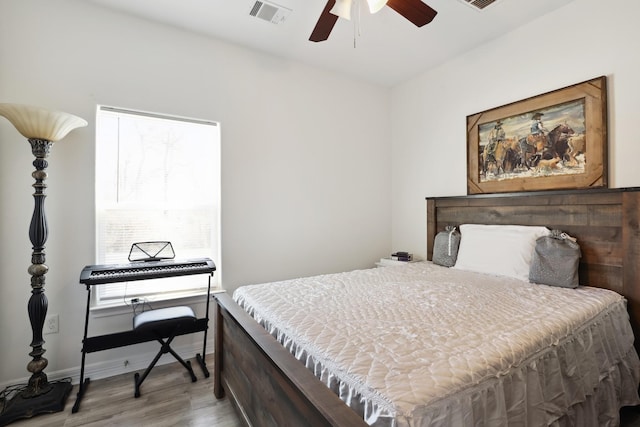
(19,406)
(41,127)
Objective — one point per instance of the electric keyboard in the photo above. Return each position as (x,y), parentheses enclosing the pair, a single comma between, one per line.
(139,270)
(143,270)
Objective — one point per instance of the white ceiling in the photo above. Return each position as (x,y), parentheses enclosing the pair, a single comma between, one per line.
(388,50)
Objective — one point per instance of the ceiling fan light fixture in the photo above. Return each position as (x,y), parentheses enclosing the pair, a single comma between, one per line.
(376,5)
(342,8)
(415,11)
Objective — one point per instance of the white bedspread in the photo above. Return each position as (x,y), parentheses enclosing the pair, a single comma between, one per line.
(422,345)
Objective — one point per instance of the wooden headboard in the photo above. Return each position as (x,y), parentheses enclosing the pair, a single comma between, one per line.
(606,223)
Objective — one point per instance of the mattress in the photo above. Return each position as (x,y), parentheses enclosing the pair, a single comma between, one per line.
(424,345)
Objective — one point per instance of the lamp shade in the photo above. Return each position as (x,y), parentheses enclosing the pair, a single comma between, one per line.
(39,123)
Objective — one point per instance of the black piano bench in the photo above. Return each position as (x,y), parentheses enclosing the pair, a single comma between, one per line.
(164,324)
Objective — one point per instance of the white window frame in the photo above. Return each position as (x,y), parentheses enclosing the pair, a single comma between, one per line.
(109,201)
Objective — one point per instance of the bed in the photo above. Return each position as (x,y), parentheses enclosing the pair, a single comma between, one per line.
(270,387)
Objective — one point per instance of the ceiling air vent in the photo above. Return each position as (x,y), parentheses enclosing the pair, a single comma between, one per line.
(269,12)
(479,4)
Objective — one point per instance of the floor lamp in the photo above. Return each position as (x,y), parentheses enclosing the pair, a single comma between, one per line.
(42,128)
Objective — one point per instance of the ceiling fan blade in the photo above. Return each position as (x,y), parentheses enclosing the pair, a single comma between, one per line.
(325,24)
(414,10)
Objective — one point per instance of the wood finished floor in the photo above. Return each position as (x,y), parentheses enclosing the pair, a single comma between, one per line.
(168,399)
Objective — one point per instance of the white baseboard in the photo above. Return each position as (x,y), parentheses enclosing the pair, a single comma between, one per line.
(110,368)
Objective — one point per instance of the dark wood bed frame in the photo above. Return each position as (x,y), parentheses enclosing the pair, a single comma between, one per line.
(269,387)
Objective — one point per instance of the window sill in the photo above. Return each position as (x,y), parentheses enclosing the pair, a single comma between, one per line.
(156,301)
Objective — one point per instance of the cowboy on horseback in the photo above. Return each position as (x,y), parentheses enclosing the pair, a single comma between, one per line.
(537,128)
(491,154)
(538,135)
(496,135)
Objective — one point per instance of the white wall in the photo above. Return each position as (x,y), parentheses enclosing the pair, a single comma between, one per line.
(580,41)
(306,185)
(306,181)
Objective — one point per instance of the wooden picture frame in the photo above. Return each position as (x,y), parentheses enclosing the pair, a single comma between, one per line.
(553,141)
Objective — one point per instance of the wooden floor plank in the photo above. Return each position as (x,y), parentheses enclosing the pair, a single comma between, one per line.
(168,398)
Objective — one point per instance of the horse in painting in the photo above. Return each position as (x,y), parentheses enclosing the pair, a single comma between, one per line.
(546,147)
(558,143)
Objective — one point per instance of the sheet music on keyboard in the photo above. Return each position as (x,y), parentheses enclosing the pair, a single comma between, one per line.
(141,270)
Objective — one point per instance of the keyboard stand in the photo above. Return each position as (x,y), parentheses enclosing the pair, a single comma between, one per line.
(126,338)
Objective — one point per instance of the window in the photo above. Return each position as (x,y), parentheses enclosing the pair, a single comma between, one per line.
(157,178)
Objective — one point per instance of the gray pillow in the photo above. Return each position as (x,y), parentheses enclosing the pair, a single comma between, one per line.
(445,247)
(555,261)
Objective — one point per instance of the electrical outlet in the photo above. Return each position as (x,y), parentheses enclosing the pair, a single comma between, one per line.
(51,324)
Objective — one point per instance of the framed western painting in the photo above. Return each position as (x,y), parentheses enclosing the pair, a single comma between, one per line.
(553,141)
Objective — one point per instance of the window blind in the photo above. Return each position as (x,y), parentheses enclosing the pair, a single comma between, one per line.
(157,178)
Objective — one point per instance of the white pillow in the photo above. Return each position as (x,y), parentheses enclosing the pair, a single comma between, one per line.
(504,250)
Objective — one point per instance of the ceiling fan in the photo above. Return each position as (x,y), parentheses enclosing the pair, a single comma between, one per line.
(413,10)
